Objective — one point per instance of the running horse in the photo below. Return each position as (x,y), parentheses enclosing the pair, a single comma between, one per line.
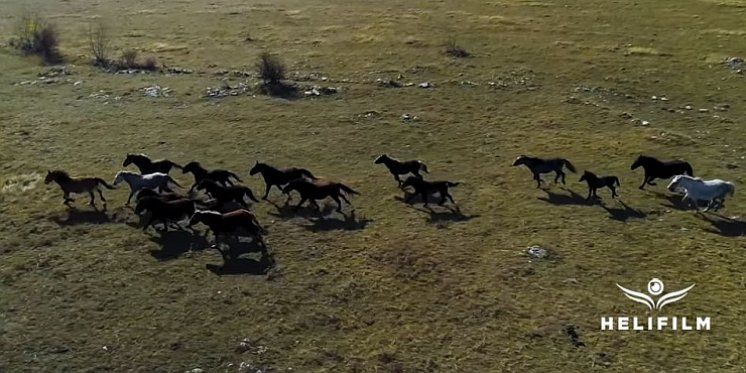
(656,169)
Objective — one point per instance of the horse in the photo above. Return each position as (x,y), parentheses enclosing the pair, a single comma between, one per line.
(227,194)
(595,182)
(138,182)
(540,166)
(200,173)
(165,211)
(278,176)
(148,166)
(71,185)
(166,196)
(424,188)
(397,167)
(313,190)
(230,222)
(695,189)
(655,169)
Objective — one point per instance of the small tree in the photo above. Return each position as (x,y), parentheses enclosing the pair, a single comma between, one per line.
(129,58)
(35,36)
(271,70)
(100,45)
(455,50)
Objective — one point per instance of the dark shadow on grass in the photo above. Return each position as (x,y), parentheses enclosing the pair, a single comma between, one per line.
(347,223)
(289,211)
(174,244)
(233,264)
(624,213)
(437,213)
(724,226)
(75,217)
(565,199)
(674,201)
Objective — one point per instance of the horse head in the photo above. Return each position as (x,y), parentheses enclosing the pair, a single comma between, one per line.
(675,183)
(258,167)
(520,160)
(381,158)
(128,160)
(190,167)
(49,178)
(585,176)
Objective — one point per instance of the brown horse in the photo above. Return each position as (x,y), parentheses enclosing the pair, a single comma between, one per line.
(424,188)
(200,173)
(278,177)
(230,222)
(147,165)
(316,190)
(72,185)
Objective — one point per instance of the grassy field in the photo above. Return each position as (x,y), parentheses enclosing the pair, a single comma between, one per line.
(396,287)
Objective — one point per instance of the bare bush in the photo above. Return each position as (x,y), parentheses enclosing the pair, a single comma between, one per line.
(100,45)
(34,35)
(129,58)
(270,69)
(455,50)
(150,64)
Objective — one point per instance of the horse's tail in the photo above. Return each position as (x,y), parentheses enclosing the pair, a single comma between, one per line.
(569,165)
(347,189)
(423,167)
(101,181)
(731,189)
(452,184)
(307,174)
(231,174)
(171,180)
(688,169)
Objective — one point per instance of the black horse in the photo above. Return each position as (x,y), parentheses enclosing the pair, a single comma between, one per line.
(595,182)
(148,166)
(655,169)
(165,211)
(279,177)
(223,177)
(225,194)
(313,190)
(424,188)
(397,167)
(540,166)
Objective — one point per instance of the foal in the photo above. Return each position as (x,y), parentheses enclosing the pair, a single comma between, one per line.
(655,169)
(77,185)
(227,194)
(317,190)
(595,182)
(540,166)
(230,222)
(397,167)
(138,182)
(165,211)
(200,173)
(424,188)
(278,177)
(148,166)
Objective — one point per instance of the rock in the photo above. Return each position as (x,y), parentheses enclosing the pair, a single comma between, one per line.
(312,92)
(77,83)
(654,98)
(735,63)
(644,123)
(425,85)
(388,83)
(537,252)
(664,99)
(688,107)
(179,70)
(406,117)
(196,370)
(156,91)
(243,346)
(704,110)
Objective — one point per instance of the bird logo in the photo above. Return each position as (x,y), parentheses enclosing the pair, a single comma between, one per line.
(655,288)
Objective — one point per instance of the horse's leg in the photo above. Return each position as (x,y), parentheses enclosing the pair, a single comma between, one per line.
(396,177)
(101,194)
(315,204)
(267,187)
(613,191)
(424,198)
(132,193)
(537,177)
(148,222)
(66,198)
(339,203)
(644,181)
(562,175)
(450,197)
(302,199)
(93,199)
(650,180)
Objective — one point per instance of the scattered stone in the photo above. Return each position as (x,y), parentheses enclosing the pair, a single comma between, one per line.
(179,70)
(688,107)
(77,83)
(196,370)
(654,98)
(626,115)
(537,252)
(227,90)
(704,110)
(388,83)
(664,99)
(55,71)
(318,91)
(157,91)
(644,123)
(425,85)
(243,346)
(735,63)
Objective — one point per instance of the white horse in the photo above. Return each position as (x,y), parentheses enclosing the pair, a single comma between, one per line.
(139,182)
(695,190)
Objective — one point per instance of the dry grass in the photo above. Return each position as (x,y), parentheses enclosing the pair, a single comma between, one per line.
(397,288)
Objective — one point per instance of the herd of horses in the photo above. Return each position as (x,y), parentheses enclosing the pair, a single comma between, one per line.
(226,212)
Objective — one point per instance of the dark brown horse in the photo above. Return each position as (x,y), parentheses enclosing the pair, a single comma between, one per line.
(230,223)
(424,188)
(397,167)
(655,169)
(148,166)
(165,211)
(226,194)
(595,182)
(70,185)
(278,177)
(223,177)
(540,166)
(313,190)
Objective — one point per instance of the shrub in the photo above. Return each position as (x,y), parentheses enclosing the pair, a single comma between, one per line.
(454,50)
(271,70)
(35,36)
(129,59)
(150,64)
(100,45)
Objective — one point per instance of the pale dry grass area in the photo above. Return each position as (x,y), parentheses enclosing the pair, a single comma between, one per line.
(396,288)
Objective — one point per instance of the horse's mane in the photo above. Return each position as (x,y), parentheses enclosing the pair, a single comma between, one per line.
(138,155)
(60,175)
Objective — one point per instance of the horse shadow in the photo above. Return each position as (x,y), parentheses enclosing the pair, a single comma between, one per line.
(623,214)
(289,211)
(174,244)
(347,223)
(233,264)
(564,199)
(725,226)
(76,217)
(443,213)
(674,201)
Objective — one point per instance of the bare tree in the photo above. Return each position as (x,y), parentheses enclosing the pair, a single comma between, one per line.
(100,45)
